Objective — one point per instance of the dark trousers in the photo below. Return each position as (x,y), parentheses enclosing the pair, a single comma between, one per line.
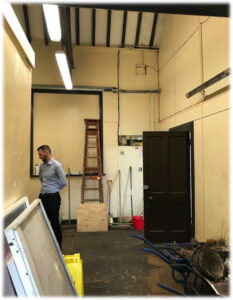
(51,203)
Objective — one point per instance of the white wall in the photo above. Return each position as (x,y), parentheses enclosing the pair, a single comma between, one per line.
(131,157)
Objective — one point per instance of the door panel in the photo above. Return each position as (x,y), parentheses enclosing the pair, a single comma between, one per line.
(177,164)
(167,200)
(157,215)
(156,180)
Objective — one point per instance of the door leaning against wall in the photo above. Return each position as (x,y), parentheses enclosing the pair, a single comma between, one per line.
(166,179)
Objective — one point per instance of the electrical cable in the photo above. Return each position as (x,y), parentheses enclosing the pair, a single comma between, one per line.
(158,88)
(159,69)
(181,46)
(118,96)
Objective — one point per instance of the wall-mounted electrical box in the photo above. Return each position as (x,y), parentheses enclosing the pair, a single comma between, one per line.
(141,69)
(130,140)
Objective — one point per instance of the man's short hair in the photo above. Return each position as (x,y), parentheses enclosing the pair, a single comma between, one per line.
(44,148)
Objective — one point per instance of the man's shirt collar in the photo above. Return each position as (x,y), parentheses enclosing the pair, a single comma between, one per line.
(50,162)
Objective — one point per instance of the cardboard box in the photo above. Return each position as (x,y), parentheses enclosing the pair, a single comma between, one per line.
(92,217)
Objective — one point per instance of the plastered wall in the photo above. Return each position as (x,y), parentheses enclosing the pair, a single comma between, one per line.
(192,50)
(98,66)
(16,124)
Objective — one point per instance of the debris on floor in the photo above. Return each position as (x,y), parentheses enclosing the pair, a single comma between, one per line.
(208,262)
(202,267)
(210,258)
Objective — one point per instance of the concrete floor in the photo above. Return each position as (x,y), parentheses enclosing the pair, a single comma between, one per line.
(115,265)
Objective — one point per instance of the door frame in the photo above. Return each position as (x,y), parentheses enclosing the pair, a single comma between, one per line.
(189,127)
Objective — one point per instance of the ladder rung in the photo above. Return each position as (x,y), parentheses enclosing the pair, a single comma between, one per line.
(94,172)
(92,200)
(92,177)
(91,121)
(92,169)
(92,129)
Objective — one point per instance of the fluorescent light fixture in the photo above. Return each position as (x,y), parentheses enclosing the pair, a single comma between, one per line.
(52,19)
(15,26)
(64,69)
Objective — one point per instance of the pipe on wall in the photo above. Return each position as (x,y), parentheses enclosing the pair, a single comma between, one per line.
(94,88)
(209,82)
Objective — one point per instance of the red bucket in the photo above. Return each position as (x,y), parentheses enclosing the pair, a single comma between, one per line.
(138,222)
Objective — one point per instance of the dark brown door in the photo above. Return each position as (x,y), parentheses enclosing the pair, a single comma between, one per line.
(166,186)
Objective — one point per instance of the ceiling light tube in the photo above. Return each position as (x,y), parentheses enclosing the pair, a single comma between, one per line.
(64,69)
(52,18)
(17,29)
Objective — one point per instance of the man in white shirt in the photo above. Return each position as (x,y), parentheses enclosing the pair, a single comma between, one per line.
(53,179)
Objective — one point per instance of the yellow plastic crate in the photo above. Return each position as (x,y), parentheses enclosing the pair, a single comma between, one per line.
(75,267)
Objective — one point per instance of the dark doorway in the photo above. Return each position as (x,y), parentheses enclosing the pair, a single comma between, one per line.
(166,172)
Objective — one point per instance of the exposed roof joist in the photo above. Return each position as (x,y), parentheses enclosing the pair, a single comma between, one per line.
(66,34)
(216,10)
(77,26)
(124,29)
(26,20)
(109,28)
(45,30)
(93,25)
(152,37)
(138,28)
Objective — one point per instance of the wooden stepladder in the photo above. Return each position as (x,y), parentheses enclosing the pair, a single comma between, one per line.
(92,155)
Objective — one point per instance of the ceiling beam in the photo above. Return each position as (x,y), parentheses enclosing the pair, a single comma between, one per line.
(109,27)
(62,21)
(26,20)
(124,29)
(152,37)
(138,28)
(46,38)
(216,10)
(66,35)
(69,43)
(77,26)
(93,25)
